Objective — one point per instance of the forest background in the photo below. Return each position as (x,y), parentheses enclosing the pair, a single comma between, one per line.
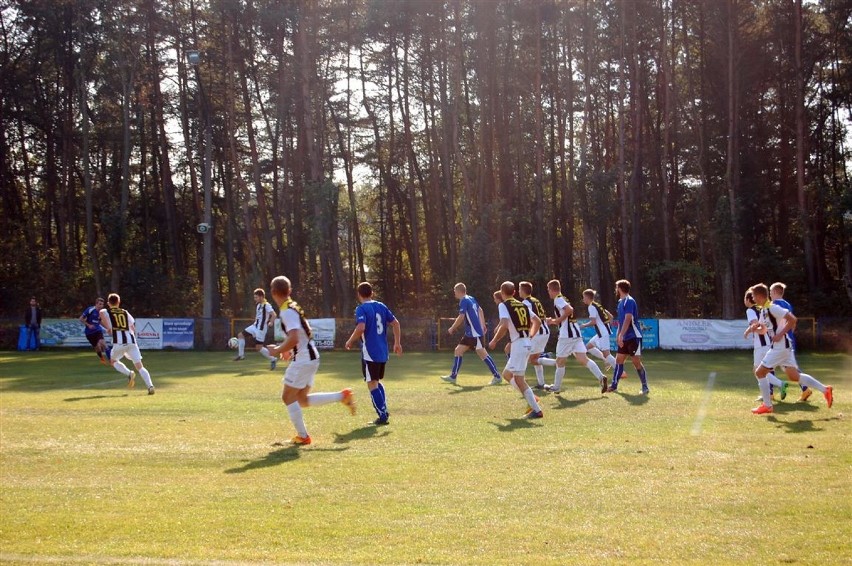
(691,146)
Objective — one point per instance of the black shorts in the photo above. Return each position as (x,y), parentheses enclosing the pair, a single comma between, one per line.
(630,346)
(471,342)
(95,338)
(372,371)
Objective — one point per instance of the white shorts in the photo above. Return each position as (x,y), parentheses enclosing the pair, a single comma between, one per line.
(539,343)
(775,357)
(602,343)
(300,374)
(759,354)
(519,356)
(130,350)
(567,346)
(258,334)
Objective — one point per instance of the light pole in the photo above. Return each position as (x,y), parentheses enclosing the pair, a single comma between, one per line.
(193,57)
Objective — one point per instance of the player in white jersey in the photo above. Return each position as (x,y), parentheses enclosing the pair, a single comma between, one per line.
(776,321)
(122,326)
(761,345)
(256,333)
(539,341)
(570,339)
(517,320)
(599,318)
(299,347)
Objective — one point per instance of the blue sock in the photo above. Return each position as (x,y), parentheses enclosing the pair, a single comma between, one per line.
(616,374)
(642,377)
(384,399)
(490,363)
(456,367)
(109,353)
(378,402)
(804,387)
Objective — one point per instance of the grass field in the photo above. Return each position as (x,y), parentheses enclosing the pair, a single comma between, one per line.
(95,473)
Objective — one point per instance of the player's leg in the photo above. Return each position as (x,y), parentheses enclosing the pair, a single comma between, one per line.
(640,370)
(241,343)
(618,369)
(136,357)
(373,374)
(489,361)
(811,382)
(115,361)
(290,397)
(584,361)
(457,362)
(563,350)
(772,359)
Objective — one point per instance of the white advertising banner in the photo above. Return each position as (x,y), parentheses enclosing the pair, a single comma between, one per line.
(702,334)
(149,333)
(323,330)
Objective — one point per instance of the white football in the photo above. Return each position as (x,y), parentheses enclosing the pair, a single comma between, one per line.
(233,343)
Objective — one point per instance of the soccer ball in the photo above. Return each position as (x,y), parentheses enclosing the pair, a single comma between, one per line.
(233,343)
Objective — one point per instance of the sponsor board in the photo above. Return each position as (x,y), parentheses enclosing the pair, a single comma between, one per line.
(323,330)
(703,334)
(179,333)
(149,333)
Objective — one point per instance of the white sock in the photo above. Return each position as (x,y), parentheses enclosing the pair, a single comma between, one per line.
(547,361)
(610,361)
(265,353)
(316,399)
(596,353)
(514,384)
(773,380)
(810,381)
(241,347)
(146,377)
(530,397)
(596,371)
(764,391)
(539,374)
(296,418)
(121,368)
(557,377)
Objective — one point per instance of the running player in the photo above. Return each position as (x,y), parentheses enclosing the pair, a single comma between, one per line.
(776,321)
(256,333)
(372,319)
(299,347)
(776,294)
(570,339)
(629,337)
(91,317)
(761,345)
(539,341)
(517,319)
(471,315)
(122,326)
(599,318)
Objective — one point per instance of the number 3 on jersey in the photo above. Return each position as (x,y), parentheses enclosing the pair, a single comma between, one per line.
(380,328)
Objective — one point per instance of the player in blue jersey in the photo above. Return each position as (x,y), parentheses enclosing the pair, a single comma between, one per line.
(372,319)
(776,294)
(629,337)
(473,318)
(91,317)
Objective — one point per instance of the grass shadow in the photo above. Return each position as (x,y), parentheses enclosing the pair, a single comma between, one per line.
(466,389)
(570,403)
(515,424)
(634,398)
(277,457)
(363,433)
(88,397)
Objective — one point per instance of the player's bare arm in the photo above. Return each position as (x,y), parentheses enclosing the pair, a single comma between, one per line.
(397,337)
(482,320)
(356,335)
(502,328)
(535,324)
(456,323)
(286,346)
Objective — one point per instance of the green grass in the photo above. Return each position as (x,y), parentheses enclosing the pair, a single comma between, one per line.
(94,473)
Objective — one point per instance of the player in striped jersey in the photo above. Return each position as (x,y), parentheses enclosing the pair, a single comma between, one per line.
(570,339)
(256,333)
(599,318)
(473,318)
(299,347)
(776,294)
(761,345)
(372,319)
(775,321)
(520,323)
(539,341)
(629,337)
(121,324)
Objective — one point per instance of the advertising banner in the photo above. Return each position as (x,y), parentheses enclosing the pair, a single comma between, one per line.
(649,327)
(179,333)
(63,332)
(149,333)
(699,334)
(323,330)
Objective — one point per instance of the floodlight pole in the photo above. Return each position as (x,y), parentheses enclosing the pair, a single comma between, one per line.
(194,58)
